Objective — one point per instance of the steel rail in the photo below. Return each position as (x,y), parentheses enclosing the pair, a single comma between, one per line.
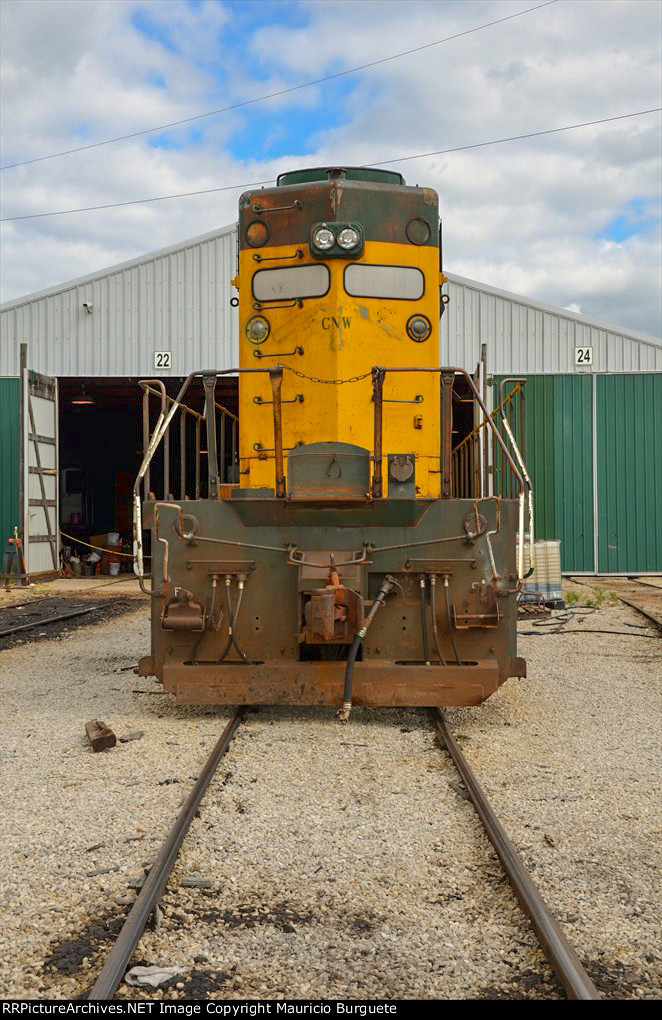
(644,612)
(118,959)
(28,602)
(62,616)
(633,605)
(557,949)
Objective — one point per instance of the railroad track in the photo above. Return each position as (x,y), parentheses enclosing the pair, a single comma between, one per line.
(43,621)
(647,594)
(557,949)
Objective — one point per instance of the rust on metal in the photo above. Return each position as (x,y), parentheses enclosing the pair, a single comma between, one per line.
(556,947)
(209,383)
(276,378)
(181,612)
(333,613)
(378,397)
(446,380)
(376,683)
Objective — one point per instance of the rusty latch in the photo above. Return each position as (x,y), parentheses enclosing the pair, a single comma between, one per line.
(182,613)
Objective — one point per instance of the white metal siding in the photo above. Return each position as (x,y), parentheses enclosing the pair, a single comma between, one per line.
(528,337)
(177,300)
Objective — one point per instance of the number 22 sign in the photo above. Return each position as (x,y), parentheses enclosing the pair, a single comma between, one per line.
(162,359)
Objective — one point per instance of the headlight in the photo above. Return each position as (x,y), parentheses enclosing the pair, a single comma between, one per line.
(348,238)
(257,329)
(257,234)
(323,238)
(419,328)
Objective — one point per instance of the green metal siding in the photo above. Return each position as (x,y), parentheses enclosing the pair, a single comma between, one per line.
(573,442)
(629,428)
(559,459)
(10,460)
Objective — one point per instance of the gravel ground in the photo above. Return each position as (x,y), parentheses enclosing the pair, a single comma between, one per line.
(342,862)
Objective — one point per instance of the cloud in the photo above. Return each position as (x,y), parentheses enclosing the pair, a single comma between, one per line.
(538,216)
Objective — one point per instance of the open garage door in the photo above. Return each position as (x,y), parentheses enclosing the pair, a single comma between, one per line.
(40,473)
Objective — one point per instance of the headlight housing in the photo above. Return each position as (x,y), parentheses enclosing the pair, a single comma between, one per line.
(323,238)
(419,328)
(348,238)
(336,240)
(257,233)
(257,329)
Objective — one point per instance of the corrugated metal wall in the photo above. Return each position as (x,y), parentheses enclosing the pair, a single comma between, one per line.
(10,457)
(525,336)
(559,459)
(629,476)
(177,300)
(577,453)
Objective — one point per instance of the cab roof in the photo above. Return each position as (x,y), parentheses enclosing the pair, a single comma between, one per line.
(349,173)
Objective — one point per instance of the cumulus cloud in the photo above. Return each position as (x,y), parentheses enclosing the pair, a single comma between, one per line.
(533,216)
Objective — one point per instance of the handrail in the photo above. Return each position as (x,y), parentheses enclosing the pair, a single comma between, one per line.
(520,459)
(471,438)
(156,388)
(161,429)
(145,384)
(475,431)
(486,414)
(446,375)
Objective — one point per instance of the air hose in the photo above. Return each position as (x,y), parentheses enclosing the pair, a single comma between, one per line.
(433,607)
(387,586)
(233,616)
(424,619)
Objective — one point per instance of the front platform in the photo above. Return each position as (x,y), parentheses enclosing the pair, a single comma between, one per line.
(376,684)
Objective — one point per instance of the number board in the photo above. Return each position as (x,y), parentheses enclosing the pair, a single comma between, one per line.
(583,356)
(162,359)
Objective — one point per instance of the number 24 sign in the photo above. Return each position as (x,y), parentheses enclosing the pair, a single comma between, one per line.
(583,355)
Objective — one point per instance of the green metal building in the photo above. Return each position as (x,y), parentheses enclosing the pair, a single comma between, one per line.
(593,421)
(10,458)
(594,455)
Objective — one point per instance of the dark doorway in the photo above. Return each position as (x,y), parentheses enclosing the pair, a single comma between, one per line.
(101,449)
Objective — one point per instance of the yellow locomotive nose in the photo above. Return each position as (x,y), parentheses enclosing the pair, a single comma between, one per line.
(328,298)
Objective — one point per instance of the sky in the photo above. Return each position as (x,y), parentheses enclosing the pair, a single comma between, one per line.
(573,219)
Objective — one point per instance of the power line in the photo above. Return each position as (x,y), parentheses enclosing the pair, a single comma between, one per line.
(383,162)
(281,92)
(515,138)
(139,201)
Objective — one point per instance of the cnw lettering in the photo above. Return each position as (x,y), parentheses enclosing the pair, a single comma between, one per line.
(341,320)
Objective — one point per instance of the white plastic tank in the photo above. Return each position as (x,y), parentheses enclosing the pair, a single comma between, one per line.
(546,577)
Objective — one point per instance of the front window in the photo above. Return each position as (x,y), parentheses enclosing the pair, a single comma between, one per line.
(291,282)
(401,282)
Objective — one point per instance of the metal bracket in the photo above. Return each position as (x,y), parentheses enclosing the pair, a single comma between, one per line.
(259,209)
(297,399)
(279,354)
(278,258)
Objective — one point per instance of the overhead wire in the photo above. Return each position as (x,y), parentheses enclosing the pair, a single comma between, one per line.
(383,162)
(279,92)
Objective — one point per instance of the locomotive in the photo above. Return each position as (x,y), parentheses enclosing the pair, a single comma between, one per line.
(334,559)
